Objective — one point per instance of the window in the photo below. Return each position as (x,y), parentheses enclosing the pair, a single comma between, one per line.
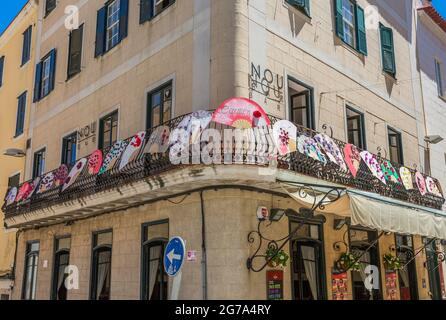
(350,24)
(155,236)
(20,120)
(101,268)
(301,103)
(61,261)
(152,8)
(26,50)
(356,128)
(50,6)
(108,130)
(302,5)
(75,52)
(2,66)
(69,149)
(4,297)
(395,146)
(112,25)
(39,163)
(14,181)
(159,106)
(407,276)
(45,76)
(30,274)
(439,78)
(387,50)
(364,244)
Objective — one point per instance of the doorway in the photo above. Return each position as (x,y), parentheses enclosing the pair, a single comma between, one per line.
(407,277)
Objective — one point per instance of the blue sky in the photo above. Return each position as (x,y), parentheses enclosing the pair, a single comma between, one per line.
(9,9)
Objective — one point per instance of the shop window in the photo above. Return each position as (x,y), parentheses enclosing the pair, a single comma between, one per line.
(14,181)
(69,144)
(101,268)
(39,163)
(108,130)
(152,8)
(30,274)
(159,109)
(363,244)
(407,276)
(50,5)
(301,103)
(387,50)
(75,52)
(350,24)
(26,49)
(154,279)
(112,25)
(356,128)
(439,78)
(21,108)
(395,146)
(45,76)
(307,260)
(61,262)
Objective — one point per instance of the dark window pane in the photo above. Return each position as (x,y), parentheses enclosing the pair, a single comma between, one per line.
(101,276)
(300,100)
(395,147)
(355,128)
(39,163)
(30,274)
(50,6)
(75,51)
(109,130)
(21,110)
(69,145)
(26,50)
(14,181)
(160,106)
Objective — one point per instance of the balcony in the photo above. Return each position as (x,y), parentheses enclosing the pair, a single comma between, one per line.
(153,175)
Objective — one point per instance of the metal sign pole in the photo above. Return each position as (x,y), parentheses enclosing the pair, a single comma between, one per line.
(176,285)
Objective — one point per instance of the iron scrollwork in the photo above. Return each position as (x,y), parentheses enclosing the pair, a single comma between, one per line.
(276,245)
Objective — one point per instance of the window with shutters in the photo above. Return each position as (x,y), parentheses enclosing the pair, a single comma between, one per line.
(302,5)
(2,65)
(152,8)
(26,49)
(45,76)
(75,52)
(387,50)
(112,26)
(21,108)
(439,78)
(50,5)
(69,149)
(350,24)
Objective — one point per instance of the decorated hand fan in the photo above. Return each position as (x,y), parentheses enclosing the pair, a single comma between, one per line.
(74,173)
(406,178)
(285,134)
(95,162)
(34,187)
(24,191)
(10,198)
(132,150)
(390,172)
(310,148)
(373,165)
(331,149)
(47,183)
(352,158)
(241,113)
(432,187)
(421,183)
(113,156)
(158,141)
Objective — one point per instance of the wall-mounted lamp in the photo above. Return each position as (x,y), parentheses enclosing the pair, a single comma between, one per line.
(340,223)
(16,153)
(276,214)
(435,139)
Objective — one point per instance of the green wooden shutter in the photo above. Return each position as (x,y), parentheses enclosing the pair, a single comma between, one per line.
(360,31)
(303,5)
(387,50)
(339,19)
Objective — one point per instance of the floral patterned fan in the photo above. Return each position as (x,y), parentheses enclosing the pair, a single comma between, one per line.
(331,149)
(373,165)
(285,134)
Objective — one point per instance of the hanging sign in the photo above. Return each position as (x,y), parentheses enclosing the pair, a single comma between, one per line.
(87,133)
(339,286)
(274,284)
(265,82)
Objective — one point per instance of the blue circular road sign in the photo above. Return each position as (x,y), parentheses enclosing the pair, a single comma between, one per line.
(174,256)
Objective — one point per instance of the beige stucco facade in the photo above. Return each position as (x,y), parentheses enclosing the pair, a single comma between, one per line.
(17,79)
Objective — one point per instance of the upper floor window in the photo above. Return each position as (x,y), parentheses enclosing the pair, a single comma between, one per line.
(439,78)
(301,104)
(154,278)
(14,181)
(50,5)
(350,24)
(101,268)
(26,49)
(395,146)
(159,105)
(39,163)
(45,76)
(2,65)
(61,262)
(108,130)
(21,108)
(69,149)
(387,50)
(302,5)
(112,25)
(75,52)
(151,8)
(30,274)
(356,128)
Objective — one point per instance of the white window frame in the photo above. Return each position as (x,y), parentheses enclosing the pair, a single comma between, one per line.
(346,24)
(439,78)
(46,74)
(112,30)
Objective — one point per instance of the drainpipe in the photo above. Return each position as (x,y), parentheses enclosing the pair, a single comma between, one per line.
(204,279)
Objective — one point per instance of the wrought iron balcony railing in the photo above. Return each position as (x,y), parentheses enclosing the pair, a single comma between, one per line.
(147,165)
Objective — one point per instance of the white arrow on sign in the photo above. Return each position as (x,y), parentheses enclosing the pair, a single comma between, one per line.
(172,256)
